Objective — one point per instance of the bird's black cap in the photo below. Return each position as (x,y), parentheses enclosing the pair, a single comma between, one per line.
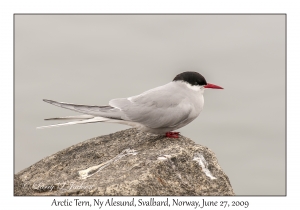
(193,78)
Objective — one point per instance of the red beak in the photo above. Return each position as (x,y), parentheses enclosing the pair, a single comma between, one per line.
(212,86)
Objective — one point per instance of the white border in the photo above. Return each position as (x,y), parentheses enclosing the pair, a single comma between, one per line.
(137,6)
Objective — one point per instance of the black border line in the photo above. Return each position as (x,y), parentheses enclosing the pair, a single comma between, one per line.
(150,14)
(285,105)
(285,14)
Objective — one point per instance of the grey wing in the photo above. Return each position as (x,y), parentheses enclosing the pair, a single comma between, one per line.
(101,111)
(155,108)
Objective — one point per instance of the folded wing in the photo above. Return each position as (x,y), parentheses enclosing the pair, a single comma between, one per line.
(155,108)
(101,111)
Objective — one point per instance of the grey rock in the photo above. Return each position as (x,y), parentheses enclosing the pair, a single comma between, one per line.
(128,162)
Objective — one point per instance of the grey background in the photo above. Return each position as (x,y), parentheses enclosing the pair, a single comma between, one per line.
(90,59)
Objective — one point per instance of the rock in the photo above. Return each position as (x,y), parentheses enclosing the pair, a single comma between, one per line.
(128,162)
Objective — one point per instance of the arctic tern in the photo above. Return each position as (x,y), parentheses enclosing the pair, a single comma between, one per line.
(160,110)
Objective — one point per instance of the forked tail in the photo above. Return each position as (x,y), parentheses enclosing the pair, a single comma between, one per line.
(82,121)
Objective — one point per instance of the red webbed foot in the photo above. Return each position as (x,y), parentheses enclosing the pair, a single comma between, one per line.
(174,135)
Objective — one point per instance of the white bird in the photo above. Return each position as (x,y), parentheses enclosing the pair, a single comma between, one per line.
(158,111)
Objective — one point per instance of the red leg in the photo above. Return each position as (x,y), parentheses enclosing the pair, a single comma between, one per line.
(174,135)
